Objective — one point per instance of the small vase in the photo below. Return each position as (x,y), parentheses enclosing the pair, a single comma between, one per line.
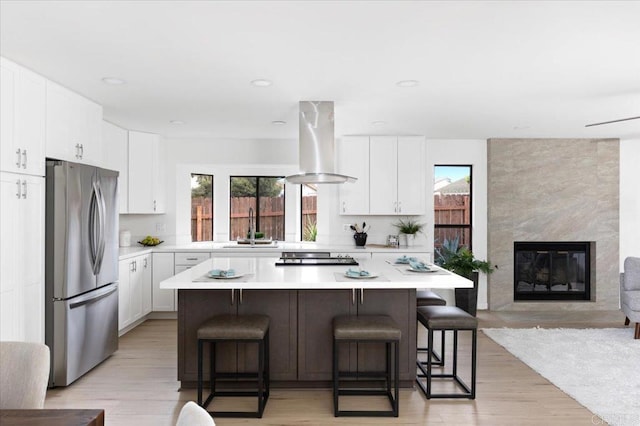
(361,238)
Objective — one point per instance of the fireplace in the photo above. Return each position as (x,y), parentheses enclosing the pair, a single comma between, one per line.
(552,271)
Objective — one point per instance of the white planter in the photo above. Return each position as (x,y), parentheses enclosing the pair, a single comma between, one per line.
(411,239)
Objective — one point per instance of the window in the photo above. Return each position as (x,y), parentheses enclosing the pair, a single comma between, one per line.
(201,207)
(266,196)
(309,211)
(452,208)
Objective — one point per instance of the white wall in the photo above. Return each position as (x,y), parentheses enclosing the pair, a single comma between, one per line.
(220,158)
(629,199)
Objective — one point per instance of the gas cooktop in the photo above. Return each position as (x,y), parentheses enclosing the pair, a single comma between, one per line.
(313,259)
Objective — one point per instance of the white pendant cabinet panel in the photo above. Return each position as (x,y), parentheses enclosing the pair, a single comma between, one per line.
(163,268)
(383,175)
(146,180)
(74,126)
(22,257)
(22,120)
(353,160)
(412,189)
(115,141)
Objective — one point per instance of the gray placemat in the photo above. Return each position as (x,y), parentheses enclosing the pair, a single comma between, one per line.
(404,270)
(340,277)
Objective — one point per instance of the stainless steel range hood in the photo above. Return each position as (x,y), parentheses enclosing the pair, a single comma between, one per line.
(317,145)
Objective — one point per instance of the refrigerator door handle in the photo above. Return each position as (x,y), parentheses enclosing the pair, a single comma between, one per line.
(93,296)
(101,225)
(93,249)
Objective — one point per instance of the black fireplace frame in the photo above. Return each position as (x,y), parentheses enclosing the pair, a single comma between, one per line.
(552,246)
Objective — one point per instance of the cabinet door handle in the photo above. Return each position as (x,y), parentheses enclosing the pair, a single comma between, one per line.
(395,207)
(24,159)
(154,205)
(399,206)
(344,207)
(145,263)
(24,189)
(233,298)
(362,296)
(192,258)
(241,296)
(18,191)
(353,296)
(18,152)
(77,150)
(81,150)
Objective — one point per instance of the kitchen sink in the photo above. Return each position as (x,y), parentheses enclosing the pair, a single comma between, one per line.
(271,245)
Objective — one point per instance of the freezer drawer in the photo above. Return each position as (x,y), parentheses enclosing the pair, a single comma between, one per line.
(85,333)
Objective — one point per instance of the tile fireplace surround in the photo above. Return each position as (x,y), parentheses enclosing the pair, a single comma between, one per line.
(553,190)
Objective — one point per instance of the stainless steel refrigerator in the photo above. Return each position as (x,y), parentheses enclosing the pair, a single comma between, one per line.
(81,268)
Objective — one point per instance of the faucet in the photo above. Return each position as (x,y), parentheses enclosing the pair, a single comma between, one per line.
(252,227)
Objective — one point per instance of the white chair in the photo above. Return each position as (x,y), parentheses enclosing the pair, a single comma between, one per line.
(24,374)
(194,415)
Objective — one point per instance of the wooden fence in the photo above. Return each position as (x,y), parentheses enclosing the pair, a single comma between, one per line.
(271,216)
(452,209)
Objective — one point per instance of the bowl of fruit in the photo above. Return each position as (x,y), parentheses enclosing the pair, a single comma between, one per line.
(150,241)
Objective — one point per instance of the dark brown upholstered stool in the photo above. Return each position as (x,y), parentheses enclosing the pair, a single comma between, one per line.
(430,298)
(241,329)
(448,318)
(360,329)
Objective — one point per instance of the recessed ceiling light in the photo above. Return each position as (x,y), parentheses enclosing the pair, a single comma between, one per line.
(176,122)
(261,82)
(379,123)
(407,83)
(278,123)
(113,81)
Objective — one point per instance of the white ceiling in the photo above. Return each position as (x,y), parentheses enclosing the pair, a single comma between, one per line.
(486,69)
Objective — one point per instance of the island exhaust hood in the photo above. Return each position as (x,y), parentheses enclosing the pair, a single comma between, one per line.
(317,145)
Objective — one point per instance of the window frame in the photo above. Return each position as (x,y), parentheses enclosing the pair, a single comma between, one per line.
(257,209)
(192,175)
(468,226)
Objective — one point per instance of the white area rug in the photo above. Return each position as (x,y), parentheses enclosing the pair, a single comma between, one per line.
(599,368)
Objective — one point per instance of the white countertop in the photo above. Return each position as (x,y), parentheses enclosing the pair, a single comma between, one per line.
(262,273)
(276,249)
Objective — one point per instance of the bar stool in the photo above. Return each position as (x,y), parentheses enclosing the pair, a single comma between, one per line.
(361,329)
(448,318)
(240,329)
(430,298)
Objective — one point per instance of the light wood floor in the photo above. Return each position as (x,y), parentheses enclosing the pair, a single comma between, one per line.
(137,385)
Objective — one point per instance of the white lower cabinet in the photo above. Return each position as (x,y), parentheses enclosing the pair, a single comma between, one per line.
(134,291)
(163,267)
(22,257)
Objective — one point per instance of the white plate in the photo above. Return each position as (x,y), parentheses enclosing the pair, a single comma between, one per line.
(421,270)
(361,277)
(218,277)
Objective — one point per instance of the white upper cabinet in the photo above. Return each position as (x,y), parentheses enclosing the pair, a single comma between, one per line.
(353,160)
(383,178)
(115,141)
(391,175)
(146,180)
(22,119)
(74,126)
(412,190)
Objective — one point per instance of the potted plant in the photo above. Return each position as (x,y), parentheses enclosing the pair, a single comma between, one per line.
(461,261)
(409,228)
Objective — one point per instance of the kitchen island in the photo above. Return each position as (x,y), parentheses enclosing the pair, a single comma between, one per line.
(301,301)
